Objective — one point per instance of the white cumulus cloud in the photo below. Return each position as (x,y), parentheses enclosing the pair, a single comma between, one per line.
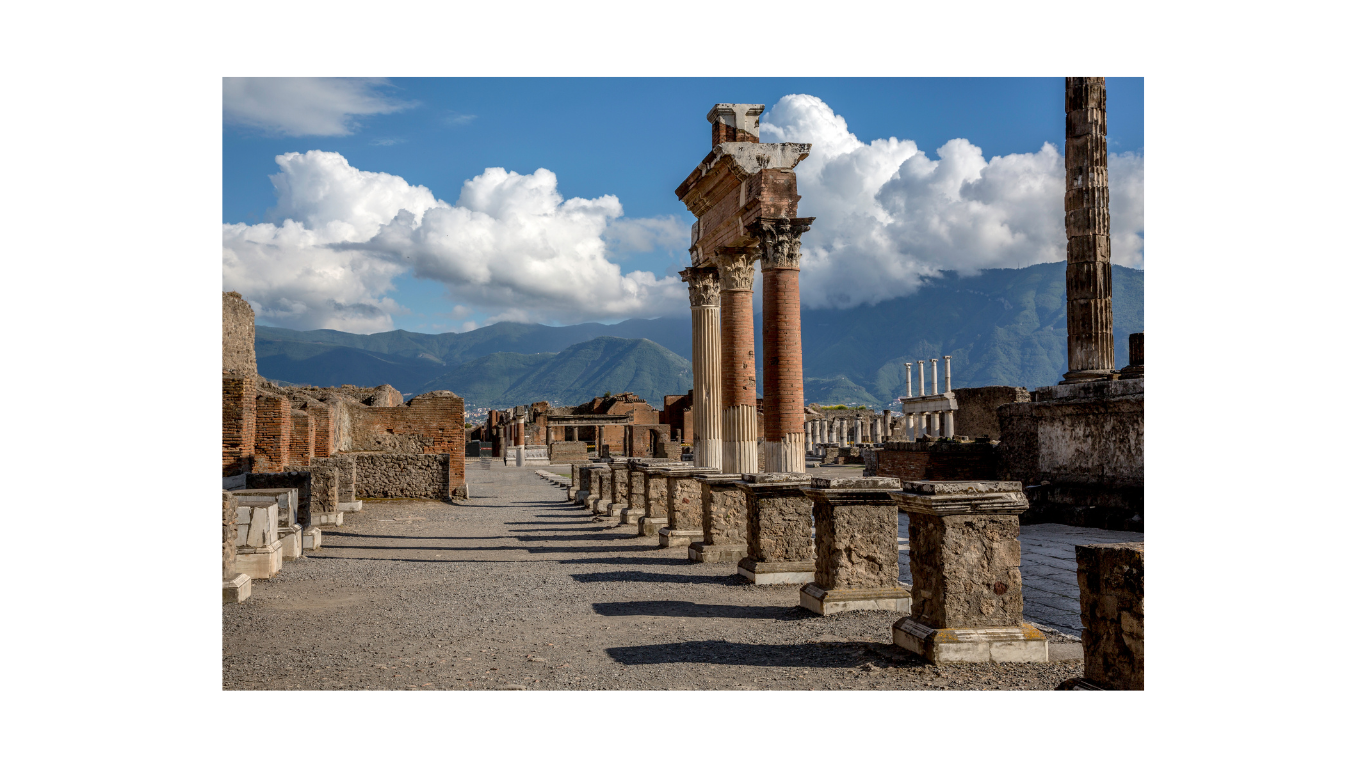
(510,245)
(305,106)
(887,214)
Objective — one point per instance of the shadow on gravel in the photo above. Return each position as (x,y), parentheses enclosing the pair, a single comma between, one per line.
(682,608)
(828,655)
(630,560)
(733,579)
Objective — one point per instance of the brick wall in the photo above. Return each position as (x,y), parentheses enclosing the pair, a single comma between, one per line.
(272,433)
(239,424)
(432,423)
(324,434)
(934,460)
(300,438)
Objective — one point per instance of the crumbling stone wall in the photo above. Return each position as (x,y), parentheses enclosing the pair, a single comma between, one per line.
(670,450)
(566,452)
(323,432)
(976,414)
(935,460)
(239,336)
(403,475)
(229,537)
(431,423)
(1111,581)
(239,424)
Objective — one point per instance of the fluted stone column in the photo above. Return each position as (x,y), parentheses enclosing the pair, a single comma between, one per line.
(780,249)
(739,413)
(1090,320)
(704,292)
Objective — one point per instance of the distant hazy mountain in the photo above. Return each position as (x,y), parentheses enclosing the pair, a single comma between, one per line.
(1003,326)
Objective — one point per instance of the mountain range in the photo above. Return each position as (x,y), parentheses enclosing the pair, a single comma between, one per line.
(1002,326)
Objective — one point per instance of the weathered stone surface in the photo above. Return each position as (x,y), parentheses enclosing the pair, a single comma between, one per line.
(685,501)
(965,570)
(322,500)
(1111,581)
(725,515)
(239,336)
(976,414)
(657,493)
(856,537)
(346,475)
(403,475)
(779,518)
(229,537)
(300,479)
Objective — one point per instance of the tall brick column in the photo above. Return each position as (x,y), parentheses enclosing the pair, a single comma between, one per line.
(704,292)
(739,412)
(1090,320)
(780,251)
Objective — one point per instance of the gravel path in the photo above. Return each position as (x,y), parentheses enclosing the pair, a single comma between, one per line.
(517,588)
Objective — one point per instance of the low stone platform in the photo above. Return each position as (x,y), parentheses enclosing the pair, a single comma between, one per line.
(237,589)
(825,602)
(978,644)
(668,537)
(784,572)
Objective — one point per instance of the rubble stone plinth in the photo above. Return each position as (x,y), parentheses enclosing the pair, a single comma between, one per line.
(1111,581)
(965,573)
(778,529)
(856,547)
(596,472)
(684,507)
(656,502)
(725,521)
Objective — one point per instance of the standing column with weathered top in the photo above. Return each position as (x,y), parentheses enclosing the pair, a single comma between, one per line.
(1086,201)
(780,255)
(704,292)
(739,409)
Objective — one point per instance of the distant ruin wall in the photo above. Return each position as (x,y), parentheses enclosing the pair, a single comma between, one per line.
(562,452)
(432,423)
(239,335)
(404,475)
(239,424)
(273,431)
(976,414)
(302,480)
(933,460)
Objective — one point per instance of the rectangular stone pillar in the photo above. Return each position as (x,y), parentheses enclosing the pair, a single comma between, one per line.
(725,521)
(856,547)
(1111,581)
(685,507)
(656,502)
(259,551)
(346,482)
(287,528)
(965,574)
(599,476)
(620,476)
(778,529)
(635,491)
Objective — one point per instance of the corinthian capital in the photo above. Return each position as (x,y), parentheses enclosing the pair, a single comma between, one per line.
(737,268)
(704,286)
(780,241)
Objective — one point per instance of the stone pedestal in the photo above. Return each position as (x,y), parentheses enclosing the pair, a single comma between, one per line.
(261,562)
(965,574)
(591,490)
(725,521)
(778,529)
(635,491)
(312,539)
(291,542)
(1111,580)
(620,476)
(684,507)
(237,589)
(856,547)
(656,502)
(602,483)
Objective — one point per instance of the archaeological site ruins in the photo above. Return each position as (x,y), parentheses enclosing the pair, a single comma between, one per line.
(986,528)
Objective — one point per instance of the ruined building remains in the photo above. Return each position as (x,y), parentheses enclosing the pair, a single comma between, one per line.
(744,195)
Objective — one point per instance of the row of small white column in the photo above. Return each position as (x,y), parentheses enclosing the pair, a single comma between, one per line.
(837,432)
(932,421)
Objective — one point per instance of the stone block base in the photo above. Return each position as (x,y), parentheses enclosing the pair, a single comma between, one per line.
(940,646)
(649,526)
(348,506)
(717,553)
(260,562)
(602,506)
(630,516)
(588,500)
(668,537)
(311,539)
(291,541)
(329,520)
(785,572)
(237,589)
(826,602)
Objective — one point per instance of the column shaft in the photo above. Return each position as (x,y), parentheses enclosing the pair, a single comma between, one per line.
(1086,202)
(783,392)
(739,414)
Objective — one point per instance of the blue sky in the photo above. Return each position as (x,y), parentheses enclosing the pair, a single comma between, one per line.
(635,140)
